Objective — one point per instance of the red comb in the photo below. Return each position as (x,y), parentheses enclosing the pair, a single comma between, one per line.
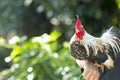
(78,23)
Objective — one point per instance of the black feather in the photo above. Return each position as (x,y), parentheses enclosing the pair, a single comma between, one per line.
(100,58)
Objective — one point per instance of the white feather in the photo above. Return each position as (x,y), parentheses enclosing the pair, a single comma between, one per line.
(91,41)
(111,39)
(107,39)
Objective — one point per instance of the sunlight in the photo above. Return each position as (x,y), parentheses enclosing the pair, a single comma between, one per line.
(8,59)
(13,40)
(55,55)
(30,77)
(55,21)
(30,69)
(27,2)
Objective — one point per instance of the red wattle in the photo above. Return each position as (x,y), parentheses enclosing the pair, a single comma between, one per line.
(79,35)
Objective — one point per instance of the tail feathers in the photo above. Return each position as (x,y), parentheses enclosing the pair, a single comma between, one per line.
(111,38)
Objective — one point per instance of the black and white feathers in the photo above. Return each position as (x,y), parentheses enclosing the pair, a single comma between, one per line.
(98,50)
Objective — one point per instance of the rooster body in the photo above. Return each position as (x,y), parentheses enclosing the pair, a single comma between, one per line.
(102,51)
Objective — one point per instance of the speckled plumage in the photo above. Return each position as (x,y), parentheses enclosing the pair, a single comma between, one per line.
(101,50)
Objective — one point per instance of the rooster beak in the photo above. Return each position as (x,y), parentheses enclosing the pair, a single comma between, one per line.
(77,16)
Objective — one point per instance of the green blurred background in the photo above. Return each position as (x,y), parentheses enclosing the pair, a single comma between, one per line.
(35,34)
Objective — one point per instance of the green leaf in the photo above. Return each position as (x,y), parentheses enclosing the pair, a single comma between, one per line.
(16,51)
(54,35)
(16,59)
(2,40)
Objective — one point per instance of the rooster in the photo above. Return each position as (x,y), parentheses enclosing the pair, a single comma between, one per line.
(102,51)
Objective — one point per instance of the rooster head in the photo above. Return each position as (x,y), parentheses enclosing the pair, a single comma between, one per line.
(80,31)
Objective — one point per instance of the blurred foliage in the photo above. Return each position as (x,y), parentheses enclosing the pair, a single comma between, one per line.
(35,17)
(40,58)
(47,57)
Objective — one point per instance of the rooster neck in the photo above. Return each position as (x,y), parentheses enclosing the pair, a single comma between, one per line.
(95,43)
